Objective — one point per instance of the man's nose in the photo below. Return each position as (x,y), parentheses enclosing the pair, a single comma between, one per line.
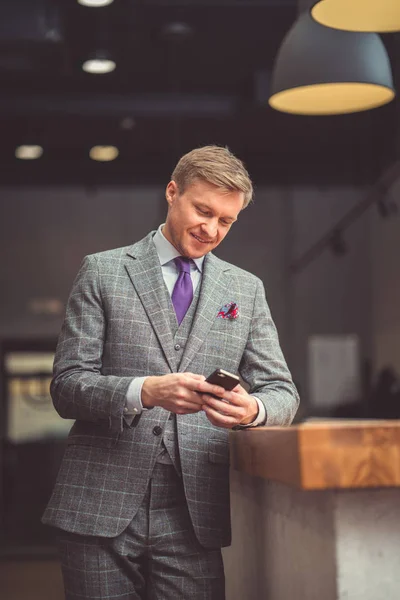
(210,229)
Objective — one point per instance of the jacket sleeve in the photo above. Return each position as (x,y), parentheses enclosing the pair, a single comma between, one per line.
(263,366)
(78,389)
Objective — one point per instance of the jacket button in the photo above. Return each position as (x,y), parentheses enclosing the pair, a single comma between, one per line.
(177,346)
(157,430)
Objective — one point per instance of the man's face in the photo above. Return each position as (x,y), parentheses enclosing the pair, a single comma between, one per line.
(199,219)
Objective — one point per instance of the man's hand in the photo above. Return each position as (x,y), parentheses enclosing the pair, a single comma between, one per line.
(180,393)
(239,408)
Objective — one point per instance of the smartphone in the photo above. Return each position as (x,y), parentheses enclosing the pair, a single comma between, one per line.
(223,378)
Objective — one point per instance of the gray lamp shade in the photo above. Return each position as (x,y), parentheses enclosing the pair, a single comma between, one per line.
(322,71)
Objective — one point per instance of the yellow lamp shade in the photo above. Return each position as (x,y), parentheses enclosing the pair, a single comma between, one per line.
(323,71)
(331,98)
(358,15)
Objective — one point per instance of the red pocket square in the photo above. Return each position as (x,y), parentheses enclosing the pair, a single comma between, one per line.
(229,311)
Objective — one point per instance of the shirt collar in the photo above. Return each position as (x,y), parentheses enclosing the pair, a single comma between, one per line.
(167,252)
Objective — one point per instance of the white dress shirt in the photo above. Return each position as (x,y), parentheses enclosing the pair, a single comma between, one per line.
(166,254)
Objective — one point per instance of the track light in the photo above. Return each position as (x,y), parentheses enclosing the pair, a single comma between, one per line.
(98,66)
(324,71)
(95,3)
(99,63)
(28,152)
(104,153)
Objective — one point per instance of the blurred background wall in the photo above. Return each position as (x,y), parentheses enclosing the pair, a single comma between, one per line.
(45,232)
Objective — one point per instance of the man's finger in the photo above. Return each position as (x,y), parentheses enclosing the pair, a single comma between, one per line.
(236,396)
(222,407)
(195,398)
(219,420)
(196,376)
(209,388)
(186,407)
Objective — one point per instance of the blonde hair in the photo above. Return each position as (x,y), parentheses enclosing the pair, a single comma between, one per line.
(215,165)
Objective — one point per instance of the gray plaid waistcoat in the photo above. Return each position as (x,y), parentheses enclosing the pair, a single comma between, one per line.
(169,453)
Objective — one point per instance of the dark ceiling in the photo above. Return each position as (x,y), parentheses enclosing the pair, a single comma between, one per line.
(188,73)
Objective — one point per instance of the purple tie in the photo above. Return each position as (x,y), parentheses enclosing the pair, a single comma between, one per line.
(182,294)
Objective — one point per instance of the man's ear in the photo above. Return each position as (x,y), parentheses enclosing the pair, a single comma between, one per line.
(171,192)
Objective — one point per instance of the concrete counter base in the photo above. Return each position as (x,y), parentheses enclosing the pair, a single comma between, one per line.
(291,544)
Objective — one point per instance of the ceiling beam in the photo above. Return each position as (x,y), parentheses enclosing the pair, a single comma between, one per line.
(146,105)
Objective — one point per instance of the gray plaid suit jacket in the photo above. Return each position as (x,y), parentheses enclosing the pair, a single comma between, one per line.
(117,327)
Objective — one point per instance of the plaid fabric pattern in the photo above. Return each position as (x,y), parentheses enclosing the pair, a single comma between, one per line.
(118,326)
(157,557)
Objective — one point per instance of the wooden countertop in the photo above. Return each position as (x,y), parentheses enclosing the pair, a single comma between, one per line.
(319,455)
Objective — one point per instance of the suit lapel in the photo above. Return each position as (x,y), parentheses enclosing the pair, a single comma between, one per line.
(144,270)
(215,282)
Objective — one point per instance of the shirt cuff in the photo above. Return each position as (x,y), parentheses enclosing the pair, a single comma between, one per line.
(133,403)
(260,418)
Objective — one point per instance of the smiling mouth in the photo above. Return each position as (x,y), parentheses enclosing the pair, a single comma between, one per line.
(200,240)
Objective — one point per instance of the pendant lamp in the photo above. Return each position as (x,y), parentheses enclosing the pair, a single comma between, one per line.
(358,15)
(324,71)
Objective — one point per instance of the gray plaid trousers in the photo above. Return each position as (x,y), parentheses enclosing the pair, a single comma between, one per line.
(157,557)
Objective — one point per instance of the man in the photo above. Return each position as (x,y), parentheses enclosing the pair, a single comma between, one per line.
(142,495)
